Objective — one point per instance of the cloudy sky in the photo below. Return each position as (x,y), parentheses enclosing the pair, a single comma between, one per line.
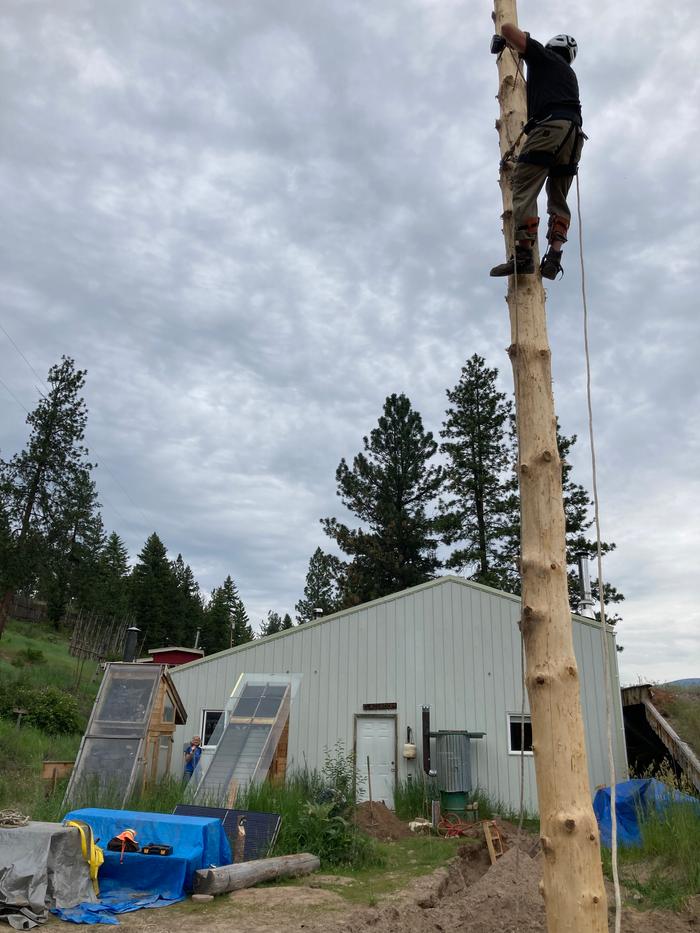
(251,221)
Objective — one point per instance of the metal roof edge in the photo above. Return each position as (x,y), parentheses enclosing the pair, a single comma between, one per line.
(399,594)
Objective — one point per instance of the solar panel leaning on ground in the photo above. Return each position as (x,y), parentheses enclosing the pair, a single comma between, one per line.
(246,738)
(261,829)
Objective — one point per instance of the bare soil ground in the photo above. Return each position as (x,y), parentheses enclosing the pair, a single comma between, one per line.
(378,821)
(469,896)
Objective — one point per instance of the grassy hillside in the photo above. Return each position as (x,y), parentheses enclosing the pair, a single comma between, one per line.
(37,656)
(681,706)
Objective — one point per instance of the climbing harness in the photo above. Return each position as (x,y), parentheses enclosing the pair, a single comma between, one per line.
(548,159)
(92,853)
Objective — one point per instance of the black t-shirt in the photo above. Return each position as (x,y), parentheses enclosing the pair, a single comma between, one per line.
(552,88)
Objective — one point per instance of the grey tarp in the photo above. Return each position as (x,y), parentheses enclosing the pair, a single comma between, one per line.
(42,866)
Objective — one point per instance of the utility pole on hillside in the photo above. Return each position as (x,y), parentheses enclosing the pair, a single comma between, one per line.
(573,888)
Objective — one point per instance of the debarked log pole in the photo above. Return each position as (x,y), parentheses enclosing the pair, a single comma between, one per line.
(573,889)
(246,874)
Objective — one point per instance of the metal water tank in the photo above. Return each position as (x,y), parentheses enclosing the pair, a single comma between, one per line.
(453,769)
(453,765)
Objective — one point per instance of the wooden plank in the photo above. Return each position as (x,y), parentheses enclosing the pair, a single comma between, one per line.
(244,875)
(489,841)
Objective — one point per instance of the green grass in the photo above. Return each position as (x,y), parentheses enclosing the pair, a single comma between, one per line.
(684,713)
(665,870)
(38,655)
(402,862)
(24,750)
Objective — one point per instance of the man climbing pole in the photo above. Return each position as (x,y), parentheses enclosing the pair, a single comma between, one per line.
(551,151)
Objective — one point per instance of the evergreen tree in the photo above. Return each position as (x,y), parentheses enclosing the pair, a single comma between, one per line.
(70,570)
(35,483)
(579,520)
(188,610)
(580,534)
(226,621)
(153,589)
(112,597)
(287,622)
(322,589)
(271,625)
(474,512)
(390,490)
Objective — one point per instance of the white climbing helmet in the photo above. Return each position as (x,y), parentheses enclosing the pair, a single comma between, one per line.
(563,41)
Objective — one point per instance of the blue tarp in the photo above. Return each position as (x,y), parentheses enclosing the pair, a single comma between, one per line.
(148,880)
(631,799)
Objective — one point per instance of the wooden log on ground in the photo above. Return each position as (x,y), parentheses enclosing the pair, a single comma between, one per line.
(244,875)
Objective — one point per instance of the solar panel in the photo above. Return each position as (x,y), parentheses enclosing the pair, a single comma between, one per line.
(261,829)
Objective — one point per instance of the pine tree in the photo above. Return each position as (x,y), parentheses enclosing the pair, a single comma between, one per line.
(153,589)
(578,512)
(70,570)
(35,483)
(226,621)
(188,611)
(112,596)
(474,512)
(287,622)
(578,515)
(272,625)
(390,490)
(322,589)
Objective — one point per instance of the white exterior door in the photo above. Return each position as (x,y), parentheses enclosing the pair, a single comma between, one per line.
(376,739)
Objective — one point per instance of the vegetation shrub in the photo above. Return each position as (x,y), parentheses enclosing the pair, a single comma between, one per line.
(317,809)
(414,797)
(47,708)
(29,656)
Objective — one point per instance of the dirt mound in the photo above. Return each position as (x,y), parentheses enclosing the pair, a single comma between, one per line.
(378,821)
(470,897)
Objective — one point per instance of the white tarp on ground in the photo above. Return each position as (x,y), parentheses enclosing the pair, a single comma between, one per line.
(41,866)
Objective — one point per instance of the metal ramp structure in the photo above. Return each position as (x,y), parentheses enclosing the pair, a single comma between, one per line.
(246,738)
(646,725)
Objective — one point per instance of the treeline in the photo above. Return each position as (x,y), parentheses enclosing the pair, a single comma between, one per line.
(54,546)
(408,494)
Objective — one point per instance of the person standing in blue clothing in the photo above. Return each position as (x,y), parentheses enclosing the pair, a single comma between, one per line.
(193,753)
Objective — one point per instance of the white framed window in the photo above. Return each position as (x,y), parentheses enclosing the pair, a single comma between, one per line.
(210,718)
(519,734)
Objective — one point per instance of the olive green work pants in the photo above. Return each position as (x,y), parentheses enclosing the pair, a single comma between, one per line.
(528,179)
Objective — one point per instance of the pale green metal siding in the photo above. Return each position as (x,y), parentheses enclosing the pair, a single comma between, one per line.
(449,644)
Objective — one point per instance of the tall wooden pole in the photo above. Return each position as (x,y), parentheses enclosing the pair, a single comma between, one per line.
(573,889)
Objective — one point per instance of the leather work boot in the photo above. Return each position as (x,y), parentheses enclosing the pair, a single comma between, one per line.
(523,263)
(550,267)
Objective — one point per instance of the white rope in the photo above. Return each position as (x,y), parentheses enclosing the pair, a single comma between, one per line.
(601,585)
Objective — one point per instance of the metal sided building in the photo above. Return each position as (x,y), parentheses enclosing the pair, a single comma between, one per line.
(365,674)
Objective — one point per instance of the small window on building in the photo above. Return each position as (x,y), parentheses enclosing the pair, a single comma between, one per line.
(519,734)
(210,718)
(168,709)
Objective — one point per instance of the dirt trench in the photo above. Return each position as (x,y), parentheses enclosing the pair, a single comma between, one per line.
(469,896)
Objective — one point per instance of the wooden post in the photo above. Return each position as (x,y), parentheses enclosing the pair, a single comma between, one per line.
(574,893)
